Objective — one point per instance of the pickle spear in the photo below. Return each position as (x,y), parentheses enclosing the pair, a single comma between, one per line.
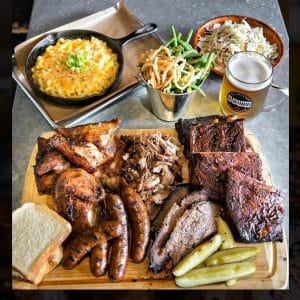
(224,230)
(221,273)
(231,282)
(231,255)
(198,255)
(227,241)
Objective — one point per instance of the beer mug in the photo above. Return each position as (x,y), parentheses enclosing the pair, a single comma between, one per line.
(245,85)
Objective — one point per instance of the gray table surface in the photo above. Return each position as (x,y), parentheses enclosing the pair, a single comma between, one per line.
(270,128)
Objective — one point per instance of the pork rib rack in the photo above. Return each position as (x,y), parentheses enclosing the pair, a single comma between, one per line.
(211,134)
(207,169)
(256,210)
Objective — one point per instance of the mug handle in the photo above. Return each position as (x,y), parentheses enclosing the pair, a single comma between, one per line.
(284,90)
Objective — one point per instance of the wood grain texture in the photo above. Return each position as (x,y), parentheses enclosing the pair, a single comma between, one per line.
(271,262)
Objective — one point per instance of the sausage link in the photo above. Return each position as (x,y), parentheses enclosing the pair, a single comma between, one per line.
(139,223)
(99,258)
(83,243)
(119,248)
(110,229)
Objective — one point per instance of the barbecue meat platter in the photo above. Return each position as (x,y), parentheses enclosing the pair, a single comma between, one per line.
(140,202)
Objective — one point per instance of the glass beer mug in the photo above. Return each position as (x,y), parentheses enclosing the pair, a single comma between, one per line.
(245,85)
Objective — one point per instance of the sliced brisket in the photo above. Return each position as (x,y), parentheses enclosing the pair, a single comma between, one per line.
(207,169)
(255,209)
(174,199)
(195,225)
(165,223)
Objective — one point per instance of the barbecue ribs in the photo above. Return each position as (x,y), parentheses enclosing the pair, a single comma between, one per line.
(207,169)
(256,210)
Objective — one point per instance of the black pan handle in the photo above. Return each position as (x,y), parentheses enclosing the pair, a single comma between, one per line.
(142,31)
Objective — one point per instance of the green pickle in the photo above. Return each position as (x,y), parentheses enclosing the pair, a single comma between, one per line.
(231,255)
(215,274)
(227,241)
(198,255)
(224,230)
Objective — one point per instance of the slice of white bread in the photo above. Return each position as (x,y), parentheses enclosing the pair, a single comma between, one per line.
(45,268)
(37,235)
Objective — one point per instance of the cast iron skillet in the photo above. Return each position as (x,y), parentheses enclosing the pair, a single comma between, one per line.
(115,44)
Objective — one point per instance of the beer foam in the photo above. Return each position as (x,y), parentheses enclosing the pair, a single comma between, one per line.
(249,73)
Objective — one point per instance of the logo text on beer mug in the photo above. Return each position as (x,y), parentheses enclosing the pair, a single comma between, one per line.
(239,102)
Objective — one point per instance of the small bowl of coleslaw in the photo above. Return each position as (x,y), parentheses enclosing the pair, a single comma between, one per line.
(227,35)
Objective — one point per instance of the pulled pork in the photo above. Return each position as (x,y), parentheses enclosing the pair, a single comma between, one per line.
(151,165)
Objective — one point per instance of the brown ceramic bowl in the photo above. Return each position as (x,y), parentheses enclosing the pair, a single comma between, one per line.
(270,34)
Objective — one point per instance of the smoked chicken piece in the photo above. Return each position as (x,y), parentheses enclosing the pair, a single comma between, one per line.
(43,147)
(87,146)
(99,134)
(76,195)
(211,134)
(109,173)
(207,169)
(49,163)
(256,210)
(84,156)
(197,223)
(45,183)
(52,161)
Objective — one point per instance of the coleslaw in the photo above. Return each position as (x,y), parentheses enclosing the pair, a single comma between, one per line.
(228,38)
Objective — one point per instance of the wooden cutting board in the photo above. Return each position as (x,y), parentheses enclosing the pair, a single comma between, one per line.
(271,262)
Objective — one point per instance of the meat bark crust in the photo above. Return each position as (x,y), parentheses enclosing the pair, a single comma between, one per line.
(256,210)
(207,169)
